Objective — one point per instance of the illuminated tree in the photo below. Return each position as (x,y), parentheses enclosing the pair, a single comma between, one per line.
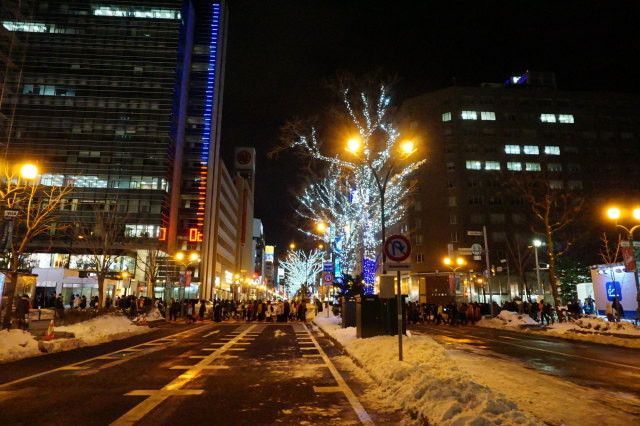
(301,269)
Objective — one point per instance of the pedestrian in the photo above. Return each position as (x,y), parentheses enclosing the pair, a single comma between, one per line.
(608,310)
(619,310)
(22,311)
(439,311)
(59,306)
(202,310)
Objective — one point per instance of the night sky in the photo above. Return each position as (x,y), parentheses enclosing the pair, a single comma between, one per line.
(280,54)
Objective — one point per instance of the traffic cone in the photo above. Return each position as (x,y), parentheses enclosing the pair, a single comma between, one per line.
(49,334)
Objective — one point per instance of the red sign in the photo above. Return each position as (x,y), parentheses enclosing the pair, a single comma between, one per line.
(628,257)
(188,275)
(163,234)
(397,248)
(327,278)
(195,236)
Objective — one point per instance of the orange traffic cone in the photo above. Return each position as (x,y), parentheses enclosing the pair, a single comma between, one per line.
(49,334)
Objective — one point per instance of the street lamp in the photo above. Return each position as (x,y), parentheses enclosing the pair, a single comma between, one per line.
(185,261)
(537,243)
(29,171)
(615,214)
(292,246)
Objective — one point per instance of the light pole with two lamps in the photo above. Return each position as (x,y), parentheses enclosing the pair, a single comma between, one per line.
(454,265)
(187,262)
(614,213)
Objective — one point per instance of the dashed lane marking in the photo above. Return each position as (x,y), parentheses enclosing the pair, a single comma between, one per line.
(185,333)
(353,400)
(202,367)
(165,392)
(311,356)
(325,389)
(308,349)
(139,411)
(213,332)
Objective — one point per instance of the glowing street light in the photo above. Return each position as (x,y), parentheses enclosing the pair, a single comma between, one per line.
(292,246)
(179,256)
(29,171)
(408,148)
(614,213)
(353,145)
(321,227)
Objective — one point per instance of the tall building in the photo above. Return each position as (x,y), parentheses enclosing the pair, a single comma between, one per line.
(122,100)
(475,137)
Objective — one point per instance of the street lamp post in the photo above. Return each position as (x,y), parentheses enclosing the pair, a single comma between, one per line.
(454,265)
(407,148)
(537,243)
(614,214)
(322,228)
(181,258)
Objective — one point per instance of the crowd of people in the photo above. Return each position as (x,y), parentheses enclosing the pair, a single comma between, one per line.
(448,313)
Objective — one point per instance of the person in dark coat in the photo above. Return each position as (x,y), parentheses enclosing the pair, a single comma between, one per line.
(287,311)
(59,306)
(22,310)
(202,310)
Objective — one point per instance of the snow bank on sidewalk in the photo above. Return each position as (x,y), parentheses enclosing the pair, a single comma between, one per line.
(590,329)
(17,344)
(506,319)
(103,329)
(428,384)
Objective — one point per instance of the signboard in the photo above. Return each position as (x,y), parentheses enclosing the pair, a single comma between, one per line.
(475,233)
(188,276)
(327,278)
(397,248)
(396,266)
(326,267)
(613,291)
(10,213)
(628,255)
(476,249)
(182,279)
(268,253)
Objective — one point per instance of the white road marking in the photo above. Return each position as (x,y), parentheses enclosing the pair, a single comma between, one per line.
(213,332)
(325,389)
(165,392)
(353,400)
(44,373)
(139,411)
(202,367)
(509,337)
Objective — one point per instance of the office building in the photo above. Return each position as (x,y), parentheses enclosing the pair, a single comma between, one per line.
(475,137)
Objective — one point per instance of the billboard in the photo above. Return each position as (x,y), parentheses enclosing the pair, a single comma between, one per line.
(268,253)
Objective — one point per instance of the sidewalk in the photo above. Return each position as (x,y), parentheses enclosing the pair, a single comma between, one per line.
(427,384)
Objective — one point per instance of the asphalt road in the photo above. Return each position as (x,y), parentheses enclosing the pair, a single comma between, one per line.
(613,368)
(223,374)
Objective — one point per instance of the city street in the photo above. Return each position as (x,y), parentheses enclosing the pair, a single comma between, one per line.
(216,373)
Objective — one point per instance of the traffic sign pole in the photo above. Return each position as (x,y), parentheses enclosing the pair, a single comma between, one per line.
(398,248)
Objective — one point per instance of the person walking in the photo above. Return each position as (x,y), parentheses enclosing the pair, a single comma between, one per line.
(22,311)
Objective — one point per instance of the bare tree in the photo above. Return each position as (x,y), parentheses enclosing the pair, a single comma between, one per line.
(102,241)
(610,256)
(554,208)
(150,261)
(36,210)
(521,256)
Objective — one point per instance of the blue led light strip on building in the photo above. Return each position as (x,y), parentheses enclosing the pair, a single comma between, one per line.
(208,112)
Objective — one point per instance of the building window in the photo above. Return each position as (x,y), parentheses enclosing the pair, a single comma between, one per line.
(475,200)
(419,257)
(531,150)
(518,218)
(555,184)
(474,165)
(574,167)
(417,206)
(532,167)
(487,116)
(514,166)
(498,236)
(497,218)
(552,150)
(451,166)
(565,118)
(548,118)
(574,184)
(453,219)
(469,115)
(512,149)
(454,237)
(418,239)
(492,165)
(477,219)
(446,116)
(453,201)
(554,167)
(417,223)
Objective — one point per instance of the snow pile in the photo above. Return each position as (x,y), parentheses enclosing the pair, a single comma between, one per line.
(428,384)
(17,344)
(103,329)
(600,325)
(153,315)
(507,319)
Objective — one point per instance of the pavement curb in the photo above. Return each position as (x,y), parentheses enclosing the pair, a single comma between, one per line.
(343,349)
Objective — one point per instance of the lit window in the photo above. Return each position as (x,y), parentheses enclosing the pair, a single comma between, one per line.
(27,27)
(555,184)
(532,167)
(474,165)
(150,13)
(554,167)
(531,150)
(552,150)
(469,115)
(453,219)
(52,180)
(566,118)
(512,149)
(492,165)
(488,115)
(419,257)
(548,118)
(453,201)
(514,166)
(446,116)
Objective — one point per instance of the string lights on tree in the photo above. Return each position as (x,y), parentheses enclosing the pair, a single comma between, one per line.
(301,269)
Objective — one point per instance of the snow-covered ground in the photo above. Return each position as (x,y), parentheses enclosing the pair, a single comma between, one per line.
(553,400)
(428,384)
(591,329)
(17,344)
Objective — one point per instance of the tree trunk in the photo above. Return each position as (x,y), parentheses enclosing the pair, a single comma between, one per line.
(102,293)
(552,276)
(10,291)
